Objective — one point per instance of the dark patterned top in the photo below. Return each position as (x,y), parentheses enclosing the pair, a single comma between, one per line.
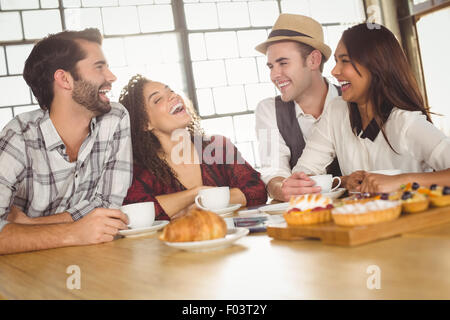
(221,165)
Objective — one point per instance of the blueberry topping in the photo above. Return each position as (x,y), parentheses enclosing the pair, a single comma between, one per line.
(446,190)
(406,195)
(415,186)
(433,187)
(384,196)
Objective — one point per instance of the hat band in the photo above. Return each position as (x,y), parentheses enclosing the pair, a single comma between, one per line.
(287,33)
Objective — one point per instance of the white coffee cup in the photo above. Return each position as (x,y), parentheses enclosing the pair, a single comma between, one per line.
(325,181)
(213,198)
(140,215)
(391,172)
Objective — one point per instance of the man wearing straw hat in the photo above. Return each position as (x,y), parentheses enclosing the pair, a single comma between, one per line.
(295,54)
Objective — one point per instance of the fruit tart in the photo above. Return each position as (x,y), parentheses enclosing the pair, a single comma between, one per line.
(439,196)
(370,212)
(414,198)
(308,209)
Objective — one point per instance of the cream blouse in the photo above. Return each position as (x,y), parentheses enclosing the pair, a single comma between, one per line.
(420,146)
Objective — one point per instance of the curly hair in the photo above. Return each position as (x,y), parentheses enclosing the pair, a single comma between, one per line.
(147,149)
(56,51)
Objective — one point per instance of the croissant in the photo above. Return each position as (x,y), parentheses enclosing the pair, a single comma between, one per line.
(196,225)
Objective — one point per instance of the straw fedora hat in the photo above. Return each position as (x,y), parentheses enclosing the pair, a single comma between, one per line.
(295,27)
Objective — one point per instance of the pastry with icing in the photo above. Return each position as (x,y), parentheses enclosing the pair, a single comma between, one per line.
(308,209)
(366,213)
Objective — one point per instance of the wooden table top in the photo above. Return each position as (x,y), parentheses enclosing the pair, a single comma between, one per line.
(256,267)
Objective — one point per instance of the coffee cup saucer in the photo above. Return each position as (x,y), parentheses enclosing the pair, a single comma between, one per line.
(227,210)
(157,225)
(334,194)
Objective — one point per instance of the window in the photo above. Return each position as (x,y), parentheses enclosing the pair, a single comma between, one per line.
(203,49)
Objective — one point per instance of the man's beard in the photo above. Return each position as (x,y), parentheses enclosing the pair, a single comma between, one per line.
(87,94)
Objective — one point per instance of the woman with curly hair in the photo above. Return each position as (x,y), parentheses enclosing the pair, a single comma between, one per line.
(170,169)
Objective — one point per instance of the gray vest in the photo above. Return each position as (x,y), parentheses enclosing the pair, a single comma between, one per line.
(290,131)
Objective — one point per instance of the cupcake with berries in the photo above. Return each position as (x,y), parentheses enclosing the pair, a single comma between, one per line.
(308,209)
(414,198)
(439,196)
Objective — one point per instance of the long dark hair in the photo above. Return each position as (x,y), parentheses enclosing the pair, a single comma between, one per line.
(393,83)
(147,149)
(56,51)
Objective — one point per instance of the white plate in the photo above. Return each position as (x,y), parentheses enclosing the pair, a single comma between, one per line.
(335,194)
(228,210)
(276,208)
(144,231)
(207,245)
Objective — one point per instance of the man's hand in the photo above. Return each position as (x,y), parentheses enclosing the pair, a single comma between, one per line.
(15,215)
(297,184)
(353,181)
(100,225)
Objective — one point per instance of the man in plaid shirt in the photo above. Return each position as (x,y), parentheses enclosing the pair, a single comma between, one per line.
(65,168)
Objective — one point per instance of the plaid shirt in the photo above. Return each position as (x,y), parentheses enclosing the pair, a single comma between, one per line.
(37,177)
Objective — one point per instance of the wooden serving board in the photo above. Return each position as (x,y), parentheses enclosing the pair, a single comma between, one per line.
(332,234)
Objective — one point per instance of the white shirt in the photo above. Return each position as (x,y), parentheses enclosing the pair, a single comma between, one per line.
(420,146)
(273,151)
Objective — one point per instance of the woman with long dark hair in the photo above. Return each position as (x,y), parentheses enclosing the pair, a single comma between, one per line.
(380,122)
(173,159)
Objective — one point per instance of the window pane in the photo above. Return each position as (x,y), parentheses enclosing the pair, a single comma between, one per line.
(5,116)
(49,4)
(201,16)
(22,109)
(209,74)
(71,3)
(170,44)
(127,16)
(197,46)
(134,2)
(246,151)
(263,13)
(221,126)
(343,11)
(114,52)
(18,92)
(263,70)
(221,45)
(156,18)
(205,102)
(296,7)
(16,56)
(33,26)
(229,99)
(79,19)
(244,126)
(241,71)
(142,50)
(2,61)
(248,40)
(10,26)
(99,3)
(257,92)
(19,4)
(233,15)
